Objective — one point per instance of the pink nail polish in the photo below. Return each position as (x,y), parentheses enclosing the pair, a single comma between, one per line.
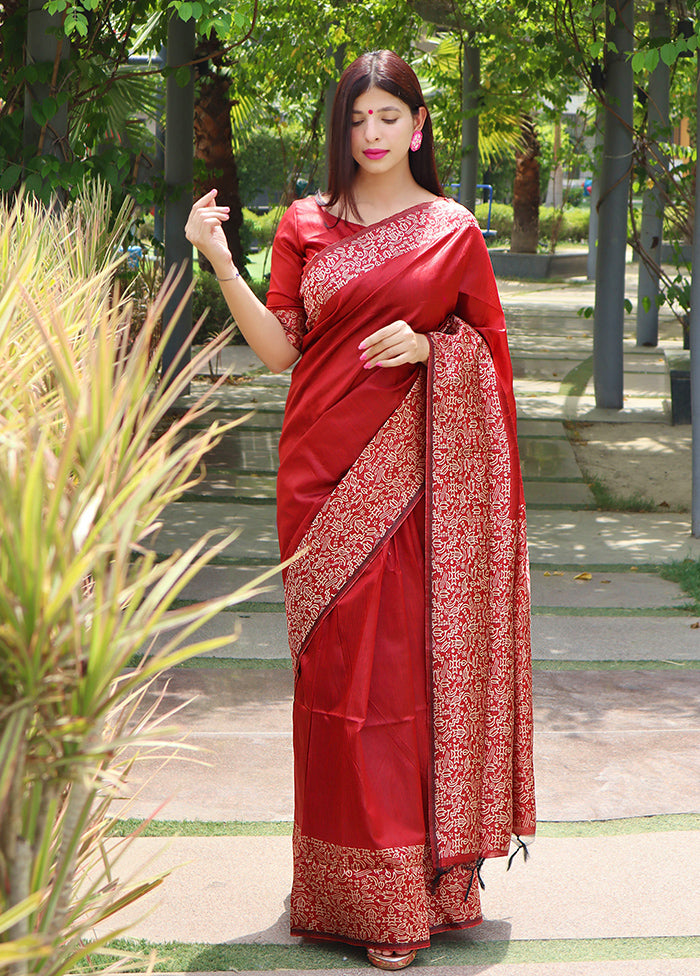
(363,357)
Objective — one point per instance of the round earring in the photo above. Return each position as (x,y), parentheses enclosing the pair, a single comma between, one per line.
(416,140)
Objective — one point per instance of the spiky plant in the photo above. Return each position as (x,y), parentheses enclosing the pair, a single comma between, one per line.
(89,458)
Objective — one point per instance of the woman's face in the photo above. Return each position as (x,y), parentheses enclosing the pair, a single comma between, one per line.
(381,130)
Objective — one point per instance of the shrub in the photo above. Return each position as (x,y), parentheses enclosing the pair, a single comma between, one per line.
(209,302)
(501,218)
(262,227)
(572,224)
(90,455)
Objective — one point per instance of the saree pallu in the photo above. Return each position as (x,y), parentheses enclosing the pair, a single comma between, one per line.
(399,492)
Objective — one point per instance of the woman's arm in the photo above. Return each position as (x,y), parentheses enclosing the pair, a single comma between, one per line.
(261,329)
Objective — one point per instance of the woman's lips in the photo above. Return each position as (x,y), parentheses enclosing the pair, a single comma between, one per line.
(375,153)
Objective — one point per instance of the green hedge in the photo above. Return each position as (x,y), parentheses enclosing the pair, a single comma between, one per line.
(262,227)
(573,227)
(207,295)
(574,221)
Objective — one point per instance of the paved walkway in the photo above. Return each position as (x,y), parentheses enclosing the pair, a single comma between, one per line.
(611,886)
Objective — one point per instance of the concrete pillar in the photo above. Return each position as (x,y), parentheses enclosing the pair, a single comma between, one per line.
(652,206)
(469,169)
(595,194)
(179,167)
(695,338)
(608,325)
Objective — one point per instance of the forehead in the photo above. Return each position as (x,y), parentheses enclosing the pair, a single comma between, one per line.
(378,100)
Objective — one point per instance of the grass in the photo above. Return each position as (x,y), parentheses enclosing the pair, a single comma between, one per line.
(623,826)
(468,951)
(687,575)
(203,828)
(608,501)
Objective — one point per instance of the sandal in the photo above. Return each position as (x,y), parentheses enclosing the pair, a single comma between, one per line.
(392,963)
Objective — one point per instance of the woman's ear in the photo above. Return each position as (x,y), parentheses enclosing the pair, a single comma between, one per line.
(419,118)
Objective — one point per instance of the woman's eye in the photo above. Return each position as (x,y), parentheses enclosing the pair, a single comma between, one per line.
(355,124)
(389,121)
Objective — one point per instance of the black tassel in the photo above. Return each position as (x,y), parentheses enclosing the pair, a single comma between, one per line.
(522,846)
(439,875)
(476,870)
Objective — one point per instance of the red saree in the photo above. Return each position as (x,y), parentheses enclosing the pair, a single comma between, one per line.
(408,608)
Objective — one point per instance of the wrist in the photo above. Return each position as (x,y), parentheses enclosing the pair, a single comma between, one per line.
(231,277)
(226,272)
(424,347)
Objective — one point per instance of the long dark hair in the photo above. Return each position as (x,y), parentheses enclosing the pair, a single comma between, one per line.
(377,69)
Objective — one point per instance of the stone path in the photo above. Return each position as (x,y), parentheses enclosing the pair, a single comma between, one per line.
(610,888)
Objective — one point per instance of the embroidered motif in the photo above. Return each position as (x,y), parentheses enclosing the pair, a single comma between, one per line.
(293,322)
(334,267)
(480,611)
(383,897)
(367,504)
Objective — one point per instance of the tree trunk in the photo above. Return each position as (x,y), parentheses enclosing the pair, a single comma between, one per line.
(213,146)
(526,191)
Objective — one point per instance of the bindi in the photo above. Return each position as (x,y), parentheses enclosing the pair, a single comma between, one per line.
(370,111)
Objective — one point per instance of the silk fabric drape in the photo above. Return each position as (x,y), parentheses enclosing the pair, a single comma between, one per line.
(408,604)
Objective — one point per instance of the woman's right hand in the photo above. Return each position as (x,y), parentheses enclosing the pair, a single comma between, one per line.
(203,229)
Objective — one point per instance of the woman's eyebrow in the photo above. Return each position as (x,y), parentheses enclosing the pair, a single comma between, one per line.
(387,108)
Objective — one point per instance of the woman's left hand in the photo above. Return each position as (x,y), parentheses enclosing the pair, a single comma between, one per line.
(394,345)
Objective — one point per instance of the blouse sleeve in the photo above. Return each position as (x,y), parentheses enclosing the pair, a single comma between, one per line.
(283,298)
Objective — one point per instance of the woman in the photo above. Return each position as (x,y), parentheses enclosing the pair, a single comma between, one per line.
(399,492)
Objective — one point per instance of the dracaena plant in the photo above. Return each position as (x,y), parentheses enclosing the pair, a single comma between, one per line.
(90,455)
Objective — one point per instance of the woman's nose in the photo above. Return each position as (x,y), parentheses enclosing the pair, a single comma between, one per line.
(371,131)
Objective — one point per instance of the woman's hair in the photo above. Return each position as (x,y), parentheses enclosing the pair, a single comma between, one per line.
(377,69)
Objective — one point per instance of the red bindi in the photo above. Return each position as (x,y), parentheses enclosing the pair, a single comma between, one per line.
(370,112)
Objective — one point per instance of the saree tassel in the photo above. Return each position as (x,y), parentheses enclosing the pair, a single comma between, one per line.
(439,875)
(476,870)
(522,846)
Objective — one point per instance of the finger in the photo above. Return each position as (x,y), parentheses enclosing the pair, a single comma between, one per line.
(388,352)
(205,200)
(385,332)
(214,214)
(387,361)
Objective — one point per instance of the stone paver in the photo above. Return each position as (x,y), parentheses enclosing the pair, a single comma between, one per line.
(609,743)
(574,638)
(599,735)
(555,637)
(236,890)
(557,537)
(592,538)
(603,590)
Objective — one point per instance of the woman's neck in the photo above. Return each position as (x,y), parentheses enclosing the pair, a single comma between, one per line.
(378,196)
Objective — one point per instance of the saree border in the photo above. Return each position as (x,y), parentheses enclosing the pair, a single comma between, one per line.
(368,505)
(329,271)
(402,899)
(477,609)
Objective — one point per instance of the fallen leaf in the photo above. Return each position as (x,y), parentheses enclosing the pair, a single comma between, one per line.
(583,576)
(547,573)
(695,626)
(633,569)
(606,581)
(558,572)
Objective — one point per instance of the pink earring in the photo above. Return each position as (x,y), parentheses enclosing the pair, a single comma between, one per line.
(416,140)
